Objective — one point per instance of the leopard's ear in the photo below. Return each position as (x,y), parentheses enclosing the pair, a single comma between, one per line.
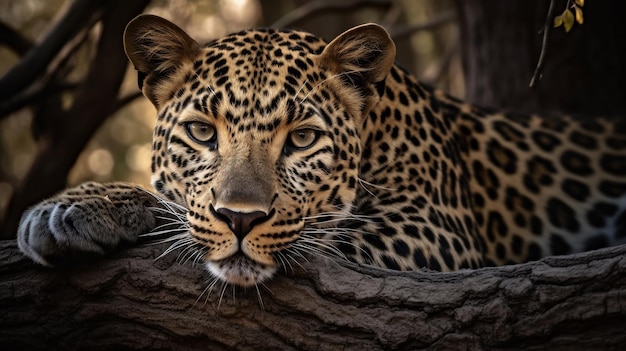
(366,50)
(158,49)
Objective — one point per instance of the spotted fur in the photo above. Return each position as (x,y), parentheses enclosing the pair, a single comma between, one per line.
(280,145)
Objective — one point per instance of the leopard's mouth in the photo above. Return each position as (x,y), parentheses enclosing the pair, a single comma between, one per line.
(241,270)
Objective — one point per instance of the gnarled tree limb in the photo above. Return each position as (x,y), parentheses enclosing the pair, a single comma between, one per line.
(36,60)
(94,102)
(131,301)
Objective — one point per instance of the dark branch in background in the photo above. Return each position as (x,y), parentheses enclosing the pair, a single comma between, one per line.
(444,63)
(547,27)
(392,15)
(49,85)
(316,7)
(48,112)
(398,32)
(93,103)
(14,40)
(123,101)
(32,96)
(36,60)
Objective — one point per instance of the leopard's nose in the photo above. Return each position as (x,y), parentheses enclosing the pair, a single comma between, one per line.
(241,223)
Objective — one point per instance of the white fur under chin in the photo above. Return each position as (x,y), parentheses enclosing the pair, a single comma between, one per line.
(240,271)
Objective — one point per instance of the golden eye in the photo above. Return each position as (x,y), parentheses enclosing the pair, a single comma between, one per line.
(302,138)
(201,132)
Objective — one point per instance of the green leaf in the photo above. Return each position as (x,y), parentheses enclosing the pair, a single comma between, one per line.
(568,20)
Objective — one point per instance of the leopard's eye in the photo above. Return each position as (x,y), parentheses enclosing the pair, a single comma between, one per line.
(201,133)
(302,138)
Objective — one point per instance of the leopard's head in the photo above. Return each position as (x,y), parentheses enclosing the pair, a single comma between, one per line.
(258,134)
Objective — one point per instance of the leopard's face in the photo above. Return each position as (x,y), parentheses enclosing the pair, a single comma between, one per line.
(257,134)
(253,169)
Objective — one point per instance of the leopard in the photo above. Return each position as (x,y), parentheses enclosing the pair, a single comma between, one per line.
(270,145)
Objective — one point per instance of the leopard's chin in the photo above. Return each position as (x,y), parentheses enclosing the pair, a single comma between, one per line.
(240,270)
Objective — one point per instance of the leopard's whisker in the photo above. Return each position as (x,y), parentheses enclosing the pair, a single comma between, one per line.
(283,262)
(186,254)
(344,232)
(299,90)
(169,216)
(200,254)
(181,231)
(259,297)
(175,238)
(313,250)
(181,224)
(169,209)
(173,207)
(320,247)
(364,182)
(290,253)
(329,217)
(199,296)
(219,302)
(207,291)
(346,73)
(184,242)
(338,236)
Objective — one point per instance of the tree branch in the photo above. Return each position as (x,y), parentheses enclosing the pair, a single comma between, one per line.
(35,61)
(133,302)
(7,107)
(14,40)
(125,100)
(406,30)
(92,106)
(315,7)
(547,27)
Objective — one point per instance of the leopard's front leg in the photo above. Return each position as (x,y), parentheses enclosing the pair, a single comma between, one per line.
(86,221)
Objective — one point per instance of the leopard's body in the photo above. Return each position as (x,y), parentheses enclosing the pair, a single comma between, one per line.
(279,144)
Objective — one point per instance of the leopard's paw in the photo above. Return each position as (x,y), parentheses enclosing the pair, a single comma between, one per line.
(85,222)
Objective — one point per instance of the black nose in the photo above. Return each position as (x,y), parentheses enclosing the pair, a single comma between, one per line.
(241,223)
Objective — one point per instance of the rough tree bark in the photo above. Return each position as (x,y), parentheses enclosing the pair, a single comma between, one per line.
(131,301)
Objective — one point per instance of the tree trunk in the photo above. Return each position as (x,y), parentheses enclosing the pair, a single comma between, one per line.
(131,301)
(584,69)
